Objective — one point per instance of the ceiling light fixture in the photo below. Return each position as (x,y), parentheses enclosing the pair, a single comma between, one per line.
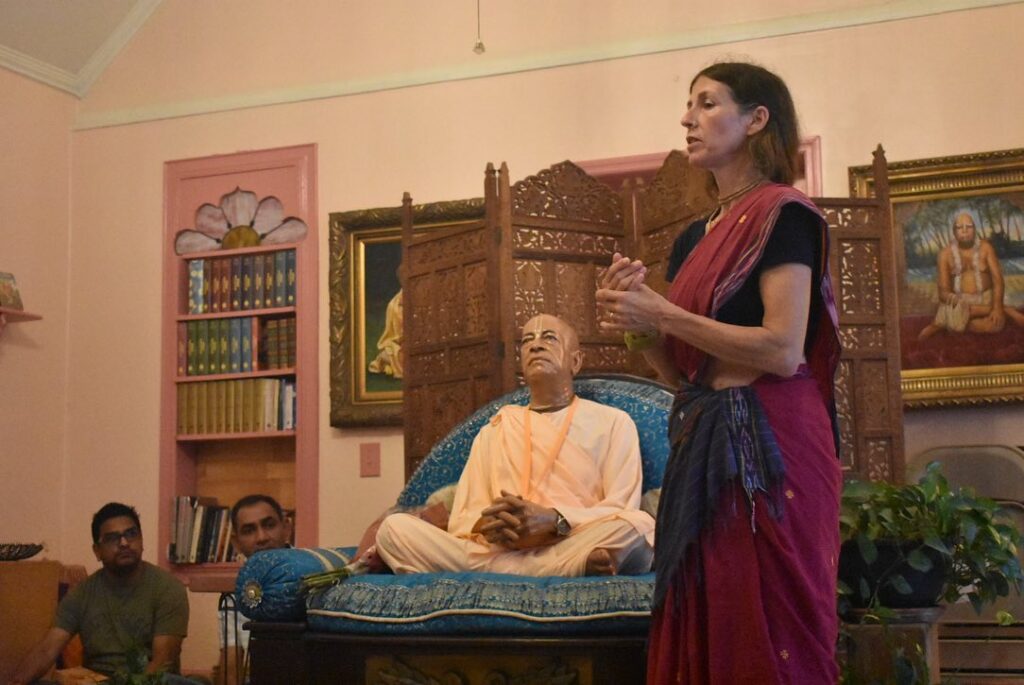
(479,48)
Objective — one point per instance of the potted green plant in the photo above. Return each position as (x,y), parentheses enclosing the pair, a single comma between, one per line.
(913,546)
(919,528)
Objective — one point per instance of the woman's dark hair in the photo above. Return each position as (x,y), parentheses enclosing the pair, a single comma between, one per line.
(773,148)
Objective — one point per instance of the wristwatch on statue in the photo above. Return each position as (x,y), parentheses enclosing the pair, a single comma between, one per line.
(562,527)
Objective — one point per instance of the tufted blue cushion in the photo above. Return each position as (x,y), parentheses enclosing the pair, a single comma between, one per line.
(483,604)
(268,584)
(647,402)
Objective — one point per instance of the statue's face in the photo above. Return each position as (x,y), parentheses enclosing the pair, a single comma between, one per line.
(549,348)
(964,230)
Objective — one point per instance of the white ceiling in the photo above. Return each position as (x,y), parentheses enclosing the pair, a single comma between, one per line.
(67,43)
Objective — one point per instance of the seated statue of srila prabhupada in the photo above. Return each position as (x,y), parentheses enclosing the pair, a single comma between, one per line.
(552,488)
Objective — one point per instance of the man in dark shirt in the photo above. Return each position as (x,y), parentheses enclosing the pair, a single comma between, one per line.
(127,608)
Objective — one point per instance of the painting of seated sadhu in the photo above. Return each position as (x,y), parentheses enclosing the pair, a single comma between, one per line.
(962,299)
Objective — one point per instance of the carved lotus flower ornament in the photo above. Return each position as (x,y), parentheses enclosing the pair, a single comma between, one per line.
(240,221)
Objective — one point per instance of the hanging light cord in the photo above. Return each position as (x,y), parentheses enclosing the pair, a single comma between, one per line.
(479,47)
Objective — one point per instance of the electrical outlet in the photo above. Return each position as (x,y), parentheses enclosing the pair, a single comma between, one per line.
(369,460)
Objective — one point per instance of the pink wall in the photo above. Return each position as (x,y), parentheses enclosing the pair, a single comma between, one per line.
(35,138)
(923,87)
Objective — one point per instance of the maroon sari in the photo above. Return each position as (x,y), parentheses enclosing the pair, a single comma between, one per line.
(747,593)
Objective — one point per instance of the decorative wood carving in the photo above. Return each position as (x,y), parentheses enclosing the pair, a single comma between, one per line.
(540,247)
(868,396)
(564,191)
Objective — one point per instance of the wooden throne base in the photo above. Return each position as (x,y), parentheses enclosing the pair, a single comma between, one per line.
(288,653)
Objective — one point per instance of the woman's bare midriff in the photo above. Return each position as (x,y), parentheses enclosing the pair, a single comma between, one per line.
(721,374)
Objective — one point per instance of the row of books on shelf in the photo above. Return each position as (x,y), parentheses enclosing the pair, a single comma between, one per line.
(238,345)
(200,532)
(251,405)
(228,284)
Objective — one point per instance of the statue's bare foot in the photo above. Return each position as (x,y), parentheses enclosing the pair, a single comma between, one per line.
(600,563)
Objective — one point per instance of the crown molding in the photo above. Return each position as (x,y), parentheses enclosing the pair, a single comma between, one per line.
(114,43)
(896,10)
(38,70)
(78,84)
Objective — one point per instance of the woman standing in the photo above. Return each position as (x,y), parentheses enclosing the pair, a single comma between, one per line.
(747,535)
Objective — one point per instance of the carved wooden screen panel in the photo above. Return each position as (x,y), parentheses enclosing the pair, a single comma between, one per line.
(868,383)
(559,229)
(676,197)
(448,319)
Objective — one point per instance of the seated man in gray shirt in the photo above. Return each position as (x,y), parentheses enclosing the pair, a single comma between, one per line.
(127,608)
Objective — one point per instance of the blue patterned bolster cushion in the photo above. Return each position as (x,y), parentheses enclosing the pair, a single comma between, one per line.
(483,604)
(268,584)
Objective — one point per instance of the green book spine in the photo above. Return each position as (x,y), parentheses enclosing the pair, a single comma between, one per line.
(182,347)
(246,354)
(280,273)
(235,345)
(223,340)
(202,347)
(213,346)
(236,283)
(291,281)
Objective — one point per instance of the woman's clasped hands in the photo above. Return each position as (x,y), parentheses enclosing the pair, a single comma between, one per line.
(627,303)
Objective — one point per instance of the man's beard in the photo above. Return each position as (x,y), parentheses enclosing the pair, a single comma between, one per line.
(122,569)
(965,245)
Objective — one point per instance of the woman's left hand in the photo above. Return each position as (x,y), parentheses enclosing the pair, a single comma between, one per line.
(637,310)
(623,273)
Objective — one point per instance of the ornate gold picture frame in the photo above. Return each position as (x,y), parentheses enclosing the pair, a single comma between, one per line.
(956,349)
(365,308)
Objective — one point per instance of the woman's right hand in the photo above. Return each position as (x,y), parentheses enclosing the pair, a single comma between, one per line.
(623,274)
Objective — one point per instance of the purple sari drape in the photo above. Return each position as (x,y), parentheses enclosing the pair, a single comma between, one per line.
(752,599)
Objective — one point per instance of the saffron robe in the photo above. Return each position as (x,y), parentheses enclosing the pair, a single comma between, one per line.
(595,481)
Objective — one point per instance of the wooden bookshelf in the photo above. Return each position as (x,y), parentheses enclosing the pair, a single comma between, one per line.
(228,464)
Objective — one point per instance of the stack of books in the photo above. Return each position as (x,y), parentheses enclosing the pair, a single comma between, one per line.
(251,405)
(228,284)
(200,531)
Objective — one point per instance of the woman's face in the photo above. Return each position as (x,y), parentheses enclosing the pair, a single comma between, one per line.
(716,127)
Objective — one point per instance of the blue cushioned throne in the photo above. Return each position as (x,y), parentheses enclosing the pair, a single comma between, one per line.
(374,626)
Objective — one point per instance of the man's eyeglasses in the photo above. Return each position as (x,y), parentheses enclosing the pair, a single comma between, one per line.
(113,539)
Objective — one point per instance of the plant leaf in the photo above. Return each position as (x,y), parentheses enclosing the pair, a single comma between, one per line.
(919,561)
(868,551)
(933,541)
(1004,618)
(900,584)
